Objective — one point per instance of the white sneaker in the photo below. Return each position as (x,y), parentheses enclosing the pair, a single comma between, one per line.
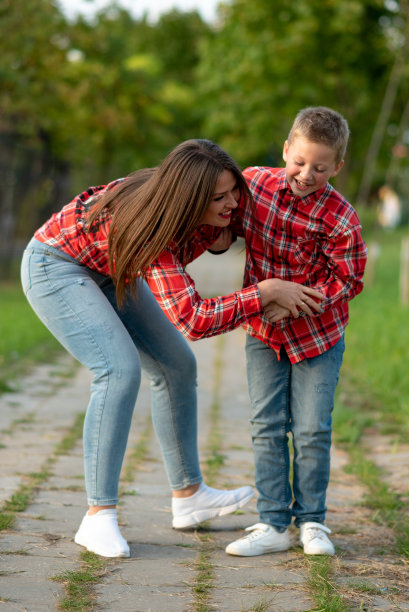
(262,539)
(207,503)
(100,534)
(313,536)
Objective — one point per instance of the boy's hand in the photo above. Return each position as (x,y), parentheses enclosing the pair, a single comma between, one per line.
(292,296)
(275,313)
(223,242)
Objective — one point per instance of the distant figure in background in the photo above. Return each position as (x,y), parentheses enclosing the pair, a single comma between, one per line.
(389,215)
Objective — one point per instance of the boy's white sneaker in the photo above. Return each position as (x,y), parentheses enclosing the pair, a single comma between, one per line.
(314,539)
(100,534)
(262,539)
(207,503)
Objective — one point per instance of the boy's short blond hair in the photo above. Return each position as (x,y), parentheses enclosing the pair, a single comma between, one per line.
(323,125)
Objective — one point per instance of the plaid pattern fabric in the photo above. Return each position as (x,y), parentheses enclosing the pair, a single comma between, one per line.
(315,241)
(175,291)
(167,277)
(65,230)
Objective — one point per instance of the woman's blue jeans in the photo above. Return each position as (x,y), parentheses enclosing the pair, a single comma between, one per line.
(79,308)
(296,398)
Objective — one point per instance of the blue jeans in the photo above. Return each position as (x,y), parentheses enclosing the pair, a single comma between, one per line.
(296,398)
(79,308)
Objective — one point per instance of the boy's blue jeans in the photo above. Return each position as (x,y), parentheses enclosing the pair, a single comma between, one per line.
(79,308)
(296,398)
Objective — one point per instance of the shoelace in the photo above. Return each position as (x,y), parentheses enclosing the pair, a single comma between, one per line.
(315,532)
(254,535)
(255,532)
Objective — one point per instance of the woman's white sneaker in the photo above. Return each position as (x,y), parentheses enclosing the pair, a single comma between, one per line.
(261,540)
(100,534)
(207,503)
(314,539)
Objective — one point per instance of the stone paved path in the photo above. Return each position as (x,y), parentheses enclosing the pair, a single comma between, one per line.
(162,572)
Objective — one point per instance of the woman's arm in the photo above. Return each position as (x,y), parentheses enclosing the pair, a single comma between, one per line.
(174,290)
(196,318)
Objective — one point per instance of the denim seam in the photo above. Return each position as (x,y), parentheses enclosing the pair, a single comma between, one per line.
(286,418)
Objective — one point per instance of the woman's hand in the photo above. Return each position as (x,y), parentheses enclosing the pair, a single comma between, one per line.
(292,296)
(223,242)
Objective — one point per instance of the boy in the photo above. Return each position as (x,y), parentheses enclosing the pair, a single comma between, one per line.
(298,229)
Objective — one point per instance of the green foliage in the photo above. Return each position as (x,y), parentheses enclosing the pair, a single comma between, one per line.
(128,98)
(268,60)
(83,103)
(86,101)
(29,96)
(23,338)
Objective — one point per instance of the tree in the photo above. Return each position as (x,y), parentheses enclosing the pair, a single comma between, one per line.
(268,60)
(85,102)
(132,81)
(30,100)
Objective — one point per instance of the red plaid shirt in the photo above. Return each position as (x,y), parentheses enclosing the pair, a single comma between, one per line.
(175,291)
(65,230)
(315,241)
(171,285)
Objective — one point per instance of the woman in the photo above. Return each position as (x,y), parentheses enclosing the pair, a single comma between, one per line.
(83,275)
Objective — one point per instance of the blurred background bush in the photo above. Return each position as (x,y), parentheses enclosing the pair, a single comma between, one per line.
(84,101)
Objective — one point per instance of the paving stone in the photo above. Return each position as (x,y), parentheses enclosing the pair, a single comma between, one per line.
(162,570)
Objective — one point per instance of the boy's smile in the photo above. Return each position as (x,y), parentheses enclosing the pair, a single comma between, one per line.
(309,165)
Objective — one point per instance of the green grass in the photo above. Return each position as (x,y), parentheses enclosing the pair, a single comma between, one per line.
(24,340)
(204,575)
(374,386)
(377,338)
(20,500)
(79,584)
(138,454)
(388,506)
(325,593)
(72,437)
(24,495)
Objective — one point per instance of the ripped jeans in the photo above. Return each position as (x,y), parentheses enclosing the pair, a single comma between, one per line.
(296,398)
(79,308)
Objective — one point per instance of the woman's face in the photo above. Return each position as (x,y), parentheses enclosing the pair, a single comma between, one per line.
(225,200)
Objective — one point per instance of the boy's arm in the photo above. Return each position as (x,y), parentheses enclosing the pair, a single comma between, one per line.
(343,279)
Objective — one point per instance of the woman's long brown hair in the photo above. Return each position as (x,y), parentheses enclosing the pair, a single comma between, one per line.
(155,207)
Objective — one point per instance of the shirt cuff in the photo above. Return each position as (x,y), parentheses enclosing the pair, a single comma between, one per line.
(251,301)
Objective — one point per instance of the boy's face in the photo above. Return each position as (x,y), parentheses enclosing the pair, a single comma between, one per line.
(309,165)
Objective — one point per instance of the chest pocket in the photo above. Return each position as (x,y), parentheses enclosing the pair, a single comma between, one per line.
(307,251)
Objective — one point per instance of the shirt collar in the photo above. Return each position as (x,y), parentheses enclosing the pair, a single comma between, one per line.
(312,198)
